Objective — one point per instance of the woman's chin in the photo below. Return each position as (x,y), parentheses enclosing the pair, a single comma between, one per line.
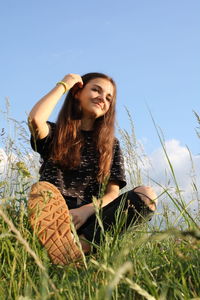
(94,114)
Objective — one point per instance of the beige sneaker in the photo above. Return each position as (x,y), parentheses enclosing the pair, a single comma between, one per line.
(50,219)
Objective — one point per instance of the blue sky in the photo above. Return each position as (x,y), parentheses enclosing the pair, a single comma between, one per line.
(150,47)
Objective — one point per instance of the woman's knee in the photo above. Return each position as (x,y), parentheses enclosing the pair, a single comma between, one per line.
(148,195)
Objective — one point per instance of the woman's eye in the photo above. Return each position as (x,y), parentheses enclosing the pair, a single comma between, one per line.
(97,90)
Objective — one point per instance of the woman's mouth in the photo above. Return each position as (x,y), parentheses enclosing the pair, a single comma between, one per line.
(98,104)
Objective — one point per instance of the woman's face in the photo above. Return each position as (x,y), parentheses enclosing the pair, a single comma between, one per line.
(96,97)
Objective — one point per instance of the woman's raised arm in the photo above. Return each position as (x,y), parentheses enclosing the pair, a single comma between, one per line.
(37,119)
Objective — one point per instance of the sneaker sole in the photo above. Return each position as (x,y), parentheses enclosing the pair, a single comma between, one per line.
(50,219)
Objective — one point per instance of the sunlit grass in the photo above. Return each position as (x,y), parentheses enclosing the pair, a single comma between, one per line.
(158,260)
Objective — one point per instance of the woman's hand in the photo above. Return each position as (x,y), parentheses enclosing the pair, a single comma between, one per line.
(80,215)
(73,79)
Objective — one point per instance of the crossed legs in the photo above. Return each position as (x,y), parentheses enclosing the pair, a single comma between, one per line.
(49,215)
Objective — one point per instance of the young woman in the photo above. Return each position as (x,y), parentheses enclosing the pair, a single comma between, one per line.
(81,159)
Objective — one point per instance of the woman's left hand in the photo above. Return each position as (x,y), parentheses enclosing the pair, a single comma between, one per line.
(80,215)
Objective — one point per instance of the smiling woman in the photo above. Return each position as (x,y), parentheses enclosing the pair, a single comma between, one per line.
(95,100)
(80,156)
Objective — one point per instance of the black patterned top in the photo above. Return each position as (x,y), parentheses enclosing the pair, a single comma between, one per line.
(79,184)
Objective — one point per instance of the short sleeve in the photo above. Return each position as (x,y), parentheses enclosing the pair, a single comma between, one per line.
(42,146)
(117,169)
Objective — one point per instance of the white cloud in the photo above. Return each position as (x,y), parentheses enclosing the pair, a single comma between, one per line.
(8,161)
(3,161)
(186,167)
(155,171)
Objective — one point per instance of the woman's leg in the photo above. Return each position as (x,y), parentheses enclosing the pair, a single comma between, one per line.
(147,195)
(50,220)
(136,206)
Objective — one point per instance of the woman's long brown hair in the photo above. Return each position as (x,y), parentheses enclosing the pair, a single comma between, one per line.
(68,140)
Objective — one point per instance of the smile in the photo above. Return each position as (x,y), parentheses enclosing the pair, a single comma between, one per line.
(98,104)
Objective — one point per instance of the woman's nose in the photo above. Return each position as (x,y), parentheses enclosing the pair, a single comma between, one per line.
(102,97)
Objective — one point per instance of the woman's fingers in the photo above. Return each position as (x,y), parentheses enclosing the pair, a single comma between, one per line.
(72,79)
(75,219)
(79,216)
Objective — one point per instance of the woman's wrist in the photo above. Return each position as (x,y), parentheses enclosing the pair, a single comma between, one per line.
(90,208)
(63,85)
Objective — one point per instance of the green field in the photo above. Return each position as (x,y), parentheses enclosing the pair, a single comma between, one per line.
(156,260)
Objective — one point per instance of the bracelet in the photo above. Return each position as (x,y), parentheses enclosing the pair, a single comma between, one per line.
(64,85)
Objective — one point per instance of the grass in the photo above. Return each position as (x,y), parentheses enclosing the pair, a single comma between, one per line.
(158,260)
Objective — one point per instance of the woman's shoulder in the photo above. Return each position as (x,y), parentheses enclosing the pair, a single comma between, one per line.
(116,142)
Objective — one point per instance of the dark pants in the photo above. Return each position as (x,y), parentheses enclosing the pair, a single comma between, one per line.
(126,210)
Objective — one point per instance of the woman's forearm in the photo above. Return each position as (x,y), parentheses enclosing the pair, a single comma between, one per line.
(43,108)
(105,200)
